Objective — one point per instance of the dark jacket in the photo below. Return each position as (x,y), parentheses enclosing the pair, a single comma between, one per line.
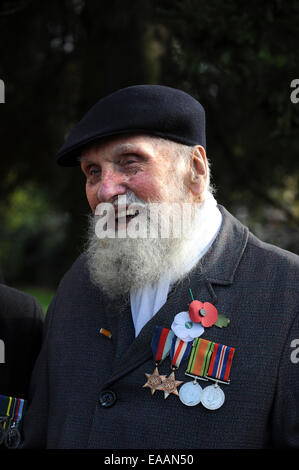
(254,284)
(21,324)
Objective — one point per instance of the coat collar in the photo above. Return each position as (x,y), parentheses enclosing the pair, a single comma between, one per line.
(219,264)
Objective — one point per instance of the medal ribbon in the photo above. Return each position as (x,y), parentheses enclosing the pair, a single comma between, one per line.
(221,362)
(18,410)
(161,343)
(200,357)
(11,408)
(180,350)
(5,407)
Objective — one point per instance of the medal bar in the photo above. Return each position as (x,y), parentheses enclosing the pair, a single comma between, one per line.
(218,381)
(196,377)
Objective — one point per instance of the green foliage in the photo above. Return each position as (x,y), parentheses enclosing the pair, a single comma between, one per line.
(32,236)
(43,295)
(239,59)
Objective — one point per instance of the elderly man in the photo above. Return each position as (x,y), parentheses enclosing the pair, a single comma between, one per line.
(157,337)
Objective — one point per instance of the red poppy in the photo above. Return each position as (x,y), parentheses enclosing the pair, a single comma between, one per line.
(204,313)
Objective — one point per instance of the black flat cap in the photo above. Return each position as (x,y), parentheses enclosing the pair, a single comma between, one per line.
(148,109)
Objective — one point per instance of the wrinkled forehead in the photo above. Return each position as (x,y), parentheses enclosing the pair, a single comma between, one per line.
(130,143)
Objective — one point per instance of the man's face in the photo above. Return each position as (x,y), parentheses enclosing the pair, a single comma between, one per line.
(141,164)
(143,170)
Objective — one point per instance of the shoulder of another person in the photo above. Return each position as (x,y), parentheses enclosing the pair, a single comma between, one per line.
(15,303)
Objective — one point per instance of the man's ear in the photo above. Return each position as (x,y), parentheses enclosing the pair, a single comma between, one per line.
(199,172)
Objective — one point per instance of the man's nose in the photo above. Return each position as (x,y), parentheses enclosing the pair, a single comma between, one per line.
(112,185)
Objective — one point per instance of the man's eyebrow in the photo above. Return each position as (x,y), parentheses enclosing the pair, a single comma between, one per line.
(119,149)
(82,158)
(126,148)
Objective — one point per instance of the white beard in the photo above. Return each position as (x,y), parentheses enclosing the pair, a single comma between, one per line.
(117,265)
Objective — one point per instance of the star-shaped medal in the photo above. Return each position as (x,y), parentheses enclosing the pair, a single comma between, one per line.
(170,385)
(154,380)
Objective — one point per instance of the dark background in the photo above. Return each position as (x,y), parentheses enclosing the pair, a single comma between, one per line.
(58,57)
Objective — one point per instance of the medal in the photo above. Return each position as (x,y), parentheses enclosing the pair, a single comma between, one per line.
(191,392)
(212,397)
(200,358)
(161,344)
(221,362)
(169,385)
(219,369)
(179,351)
(11,413)
(5,415)
(154,380)
(3,424)
(208,361)
(12,438)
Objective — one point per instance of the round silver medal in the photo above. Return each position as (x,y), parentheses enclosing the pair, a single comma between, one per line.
(212,397)
(190,393)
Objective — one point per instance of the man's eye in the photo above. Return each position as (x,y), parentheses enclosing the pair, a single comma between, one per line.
(93,170)
(130,159)
(93,174)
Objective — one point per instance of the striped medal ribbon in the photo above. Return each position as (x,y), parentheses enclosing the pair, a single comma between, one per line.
(179,351)
(219,369)
(161,345)
(221,362)
(11,413)
(5,406)
(200,358)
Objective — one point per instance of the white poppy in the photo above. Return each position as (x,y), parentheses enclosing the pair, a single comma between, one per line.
(184,328)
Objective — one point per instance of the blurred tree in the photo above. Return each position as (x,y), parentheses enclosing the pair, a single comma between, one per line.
(59,57)
(239,60)
(32,238)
